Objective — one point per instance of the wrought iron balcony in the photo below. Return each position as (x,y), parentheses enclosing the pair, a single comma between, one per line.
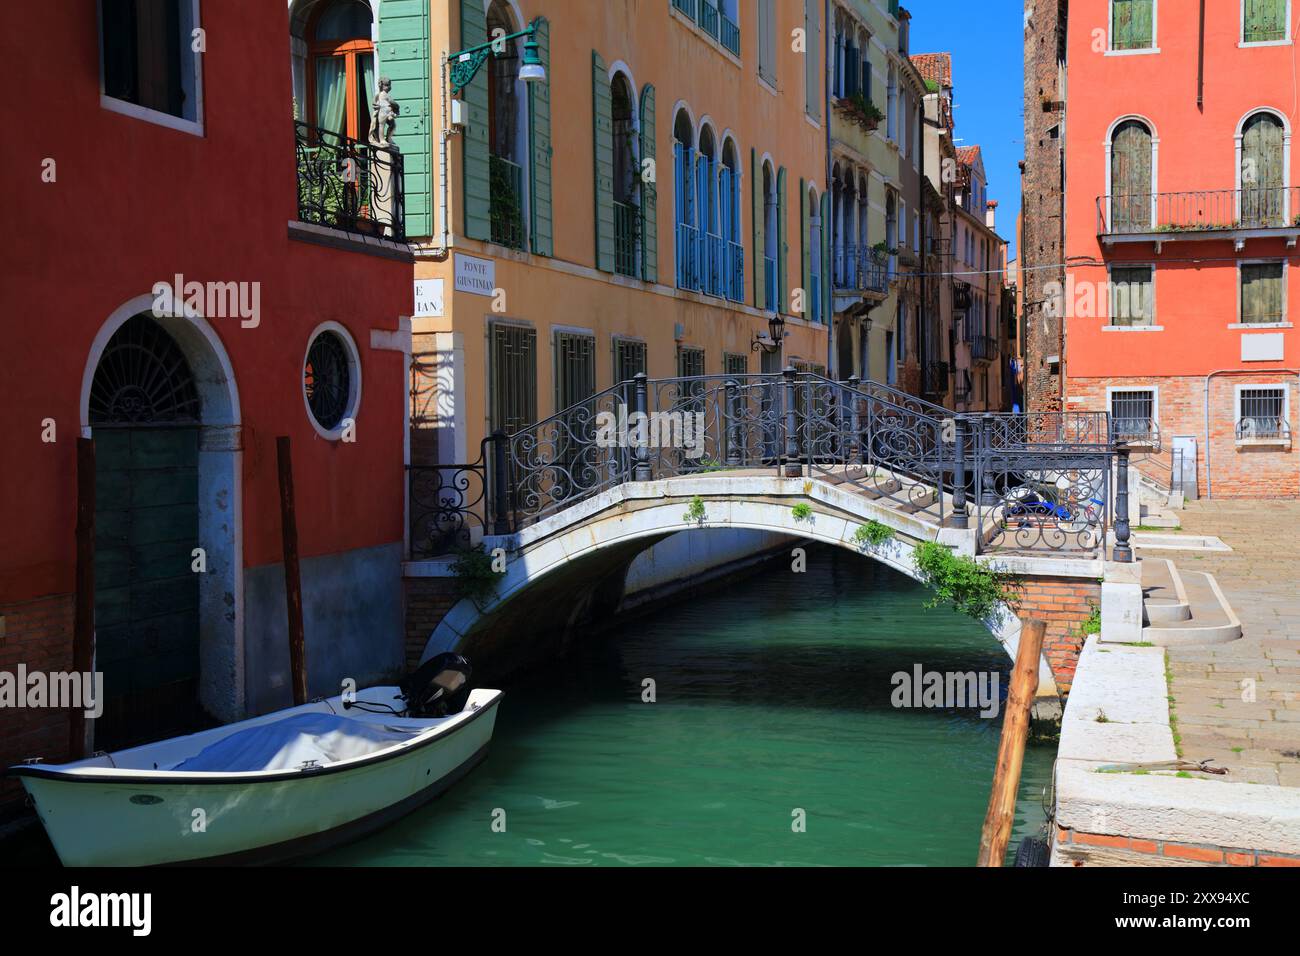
(1264,430)
(1140,432)
(936,379)
(688,257)
(713,260)
(708,18)
(625,222)
(983,348)
(349,184)
(736,272)
(507,202)
(860,269)
(1171,215)
(730,34)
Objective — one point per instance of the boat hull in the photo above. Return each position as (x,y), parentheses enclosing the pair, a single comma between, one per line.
(143,822)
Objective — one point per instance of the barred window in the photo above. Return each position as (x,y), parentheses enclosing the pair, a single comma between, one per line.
(1261,412)
(512,373)
(629,359)
(1133,413)
(575,368)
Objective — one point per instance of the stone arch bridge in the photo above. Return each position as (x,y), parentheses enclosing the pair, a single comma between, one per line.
(567,504)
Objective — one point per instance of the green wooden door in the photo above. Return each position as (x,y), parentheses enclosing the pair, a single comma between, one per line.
(1263,202)
(146,593)
(1130,178)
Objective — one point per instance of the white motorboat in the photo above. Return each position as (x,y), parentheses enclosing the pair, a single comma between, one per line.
(285,784)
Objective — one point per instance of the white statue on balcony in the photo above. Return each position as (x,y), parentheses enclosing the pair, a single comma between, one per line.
(385,112)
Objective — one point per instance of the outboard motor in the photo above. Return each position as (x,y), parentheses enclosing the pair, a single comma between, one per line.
(437,687)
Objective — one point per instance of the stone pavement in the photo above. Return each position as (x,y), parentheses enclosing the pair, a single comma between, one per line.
(1257,739)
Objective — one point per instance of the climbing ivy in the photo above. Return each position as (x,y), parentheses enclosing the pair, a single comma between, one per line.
(964,583)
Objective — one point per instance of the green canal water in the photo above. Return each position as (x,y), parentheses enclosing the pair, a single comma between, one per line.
(773,694)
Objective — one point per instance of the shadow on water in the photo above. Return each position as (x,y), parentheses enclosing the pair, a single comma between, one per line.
(772,699)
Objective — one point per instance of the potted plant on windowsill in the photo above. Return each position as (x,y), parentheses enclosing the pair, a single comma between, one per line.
(857,108)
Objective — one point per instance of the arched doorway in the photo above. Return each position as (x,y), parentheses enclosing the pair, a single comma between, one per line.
(219,497)
(144,410)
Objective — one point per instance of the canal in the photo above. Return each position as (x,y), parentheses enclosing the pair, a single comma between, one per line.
(772,695)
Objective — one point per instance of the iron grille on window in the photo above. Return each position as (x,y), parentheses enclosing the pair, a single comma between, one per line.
(327,379)
(690,361)
(575,368)
(513,373)
(629,359)
(733,364)
(1261,413)
(142,379)
(1132,414)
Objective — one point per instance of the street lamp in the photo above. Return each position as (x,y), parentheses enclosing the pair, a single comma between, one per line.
(776,335)
(465,63)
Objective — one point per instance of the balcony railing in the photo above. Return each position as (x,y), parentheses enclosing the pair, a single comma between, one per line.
(769,284)
(860,269)
(349,184)
(736,272)
(688,259)
(983,348)
(625,223)
(686,6)
(1271,429)
(730,34)
(708,20)
(713,274)
(936,378)
(1140,432)
(507,202)
(1216,210)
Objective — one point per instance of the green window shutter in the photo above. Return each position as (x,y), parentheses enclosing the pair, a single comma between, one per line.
(1261,293)
(782,303)
(539,141)
(1264,21)
(404,58)
(828,291)
(756,209)
(805,247)
(649,190)
(477,192)
(1131,24)
(602,124)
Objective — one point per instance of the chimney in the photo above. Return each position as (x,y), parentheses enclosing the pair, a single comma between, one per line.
(991,214)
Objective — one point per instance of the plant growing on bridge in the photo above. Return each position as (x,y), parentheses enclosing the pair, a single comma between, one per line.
(475,578)
(802,511)
(872,534)
(970,587)
(1092,623)
(695,514)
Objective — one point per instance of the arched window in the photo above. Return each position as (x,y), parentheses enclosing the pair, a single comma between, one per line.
(729,221)
(814,256)
(1263,177)
(688,276)
(341,68)
(1131,169)
(627,177)
(711,248)
(863,212)
(770,238)
(507,132)
(836,226)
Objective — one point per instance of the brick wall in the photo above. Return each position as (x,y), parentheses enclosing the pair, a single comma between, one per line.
(1253,471)
(427,601)
(1078,848)
(37,634)
(1064,603)
(1042,196)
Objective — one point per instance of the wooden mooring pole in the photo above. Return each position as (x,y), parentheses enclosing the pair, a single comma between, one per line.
(1011,750)
(83,621)
(292,578)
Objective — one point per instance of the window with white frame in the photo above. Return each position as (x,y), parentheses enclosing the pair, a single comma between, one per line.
(149,65)
(1263,293)
(1262,413)
(1264,21)
(1132,24)
(1132,295)
(1133,414)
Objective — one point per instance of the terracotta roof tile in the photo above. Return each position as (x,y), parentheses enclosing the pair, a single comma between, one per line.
(934,67)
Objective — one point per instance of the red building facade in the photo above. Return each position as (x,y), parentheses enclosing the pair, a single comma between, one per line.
(1182,218)
(169,160)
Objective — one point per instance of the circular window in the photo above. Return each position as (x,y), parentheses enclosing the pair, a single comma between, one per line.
(331,379)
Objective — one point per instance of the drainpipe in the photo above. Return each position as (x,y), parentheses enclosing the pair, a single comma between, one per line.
(442,160)
(1209,491)
(831,371)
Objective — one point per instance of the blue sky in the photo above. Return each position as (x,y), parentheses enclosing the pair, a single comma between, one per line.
(986,40)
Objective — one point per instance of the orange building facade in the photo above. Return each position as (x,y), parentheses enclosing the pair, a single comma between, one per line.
(1182,218)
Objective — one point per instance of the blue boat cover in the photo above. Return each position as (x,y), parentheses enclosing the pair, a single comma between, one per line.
(289,743)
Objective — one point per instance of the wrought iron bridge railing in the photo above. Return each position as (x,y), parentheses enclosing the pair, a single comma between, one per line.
(1029,482)
(349,184)
(1207,210)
